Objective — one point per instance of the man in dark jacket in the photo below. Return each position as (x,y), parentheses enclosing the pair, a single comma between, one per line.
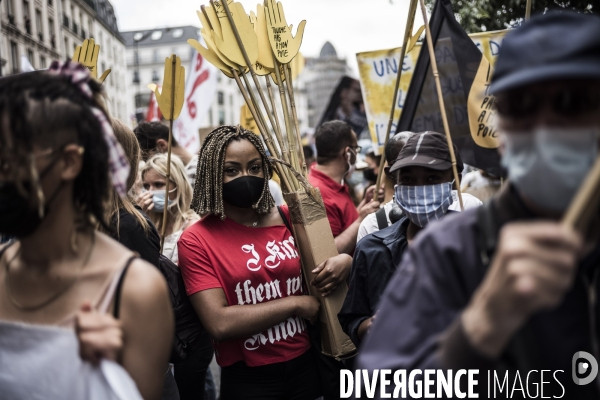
(507,288)
(424,179)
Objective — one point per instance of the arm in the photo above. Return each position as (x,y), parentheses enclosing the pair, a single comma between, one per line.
(345,242)
(148,326)
(356,307)
(224,322)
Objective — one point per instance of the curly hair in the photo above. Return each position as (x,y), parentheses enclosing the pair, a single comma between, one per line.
(208,190)
(47,111)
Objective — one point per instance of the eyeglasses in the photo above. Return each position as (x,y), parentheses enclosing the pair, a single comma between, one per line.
(568,103)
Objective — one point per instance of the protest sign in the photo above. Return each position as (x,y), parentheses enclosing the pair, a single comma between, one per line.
(378,71)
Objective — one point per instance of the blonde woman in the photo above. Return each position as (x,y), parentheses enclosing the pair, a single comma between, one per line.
(153,202)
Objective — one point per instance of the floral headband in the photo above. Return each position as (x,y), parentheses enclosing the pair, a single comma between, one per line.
(118,164)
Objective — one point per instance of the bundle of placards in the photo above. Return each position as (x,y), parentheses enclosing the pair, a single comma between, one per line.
(245,47)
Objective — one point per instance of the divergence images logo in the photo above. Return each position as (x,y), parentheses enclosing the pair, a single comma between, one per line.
(582,361)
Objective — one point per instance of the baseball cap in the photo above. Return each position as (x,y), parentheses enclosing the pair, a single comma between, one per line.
(427,149)
(556,45)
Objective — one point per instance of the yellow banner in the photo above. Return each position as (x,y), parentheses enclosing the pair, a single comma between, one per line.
(378,70)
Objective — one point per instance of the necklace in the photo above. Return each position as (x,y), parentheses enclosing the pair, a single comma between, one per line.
(55,296)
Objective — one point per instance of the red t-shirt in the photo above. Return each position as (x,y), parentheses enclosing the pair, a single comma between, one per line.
(341,211)
(251,265)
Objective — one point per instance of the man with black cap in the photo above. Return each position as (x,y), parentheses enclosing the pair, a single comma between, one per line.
(506,288)
(423,191)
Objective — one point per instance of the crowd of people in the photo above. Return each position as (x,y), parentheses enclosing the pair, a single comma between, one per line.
(117,263)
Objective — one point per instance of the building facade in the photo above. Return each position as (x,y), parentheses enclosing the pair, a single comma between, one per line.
(146,53)
(48,30)
(320,78)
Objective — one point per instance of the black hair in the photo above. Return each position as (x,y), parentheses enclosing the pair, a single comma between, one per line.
(48,111)
(208,188)
(148,133)
(331,138)
(395,145)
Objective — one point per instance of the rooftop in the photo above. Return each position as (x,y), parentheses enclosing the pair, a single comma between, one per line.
(160,36)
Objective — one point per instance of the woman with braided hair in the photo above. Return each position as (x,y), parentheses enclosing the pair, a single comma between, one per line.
(242,272)
(70,293)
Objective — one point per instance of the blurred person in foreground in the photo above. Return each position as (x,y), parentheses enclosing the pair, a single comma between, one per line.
(337,149)
(71,294)
(424,185)
(506,287)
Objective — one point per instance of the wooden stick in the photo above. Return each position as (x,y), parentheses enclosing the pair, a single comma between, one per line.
(438,87)
(284,150)
(528,10)
(288,82)
(166,206)
(412,10)
(586,201)
(263,131)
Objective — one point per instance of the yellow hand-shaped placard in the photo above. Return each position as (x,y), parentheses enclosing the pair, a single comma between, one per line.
(166,100)
(87,55)
(227,44)
(413,40)
(247,120)
(265,54)
(284,45)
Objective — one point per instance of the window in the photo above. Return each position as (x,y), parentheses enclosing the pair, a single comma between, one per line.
(142,100)
(9,7)
(210,117)
(155,77)
(31,57)
(136,57)
(156,35)
(43,62)
(155,56)
(66,39)
(14,55)
(49,2)
(38,24)
(138,36)
(177,33)
(26,9)
(221,117)
(136,77)
(220,98)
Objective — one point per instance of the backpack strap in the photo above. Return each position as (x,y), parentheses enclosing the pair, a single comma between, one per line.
(382,222)
(119,288)
(285,220)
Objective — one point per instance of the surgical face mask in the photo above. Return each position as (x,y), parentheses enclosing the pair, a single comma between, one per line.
(547,166)
(423,204)
(158,198)
(351,167)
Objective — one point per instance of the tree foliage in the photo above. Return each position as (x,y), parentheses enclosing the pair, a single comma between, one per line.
(490,15)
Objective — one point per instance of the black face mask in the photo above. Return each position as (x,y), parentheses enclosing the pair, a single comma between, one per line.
(369,175)
(243,192)
(17,218)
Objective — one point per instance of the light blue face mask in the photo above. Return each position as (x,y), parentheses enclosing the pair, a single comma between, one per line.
(158,198)
(547,166)
(423,204)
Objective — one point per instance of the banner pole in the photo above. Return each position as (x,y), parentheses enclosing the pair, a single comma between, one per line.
(438,87)
(585,203)
(412,10)
(528,10)
(166,206)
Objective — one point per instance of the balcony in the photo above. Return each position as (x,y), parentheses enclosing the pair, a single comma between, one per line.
(11,19)
(65,21)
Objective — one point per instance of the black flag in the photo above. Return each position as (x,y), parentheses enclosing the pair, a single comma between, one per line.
(464,75)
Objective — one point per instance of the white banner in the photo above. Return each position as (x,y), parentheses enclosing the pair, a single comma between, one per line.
(200,90)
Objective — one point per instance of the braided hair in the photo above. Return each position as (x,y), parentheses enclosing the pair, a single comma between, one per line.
(38,109)
(208,189)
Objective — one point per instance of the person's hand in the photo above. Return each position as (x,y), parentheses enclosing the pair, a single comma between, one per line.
(534,266)
(331,272)
(145,201)
(87,55)
(284,45)
(368,205)
(308,308)
(381,193)
(100,335)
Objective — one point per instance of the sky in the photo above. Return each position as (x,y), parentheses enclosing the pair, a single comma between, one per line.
(351,26)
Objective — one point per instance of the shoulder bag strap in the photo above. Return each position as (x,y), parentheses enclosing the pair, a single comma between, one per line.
(119,288)
(382,222)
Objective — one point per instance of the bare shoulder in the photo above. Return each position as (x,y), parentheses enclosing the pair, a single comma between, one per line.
(144,286)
